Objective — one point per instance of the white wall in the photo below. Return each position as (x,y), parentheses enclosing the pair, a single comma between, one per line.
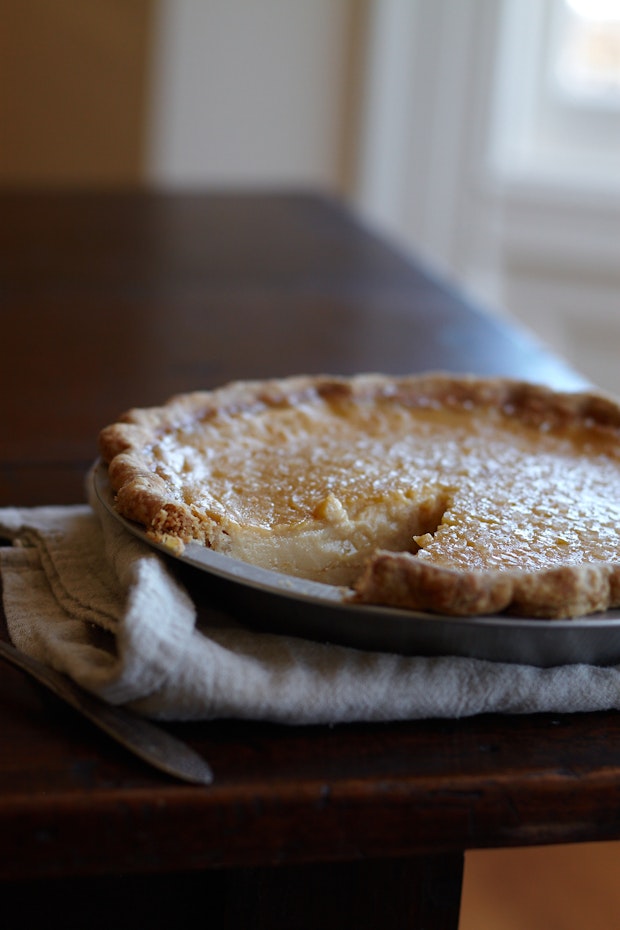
(251,92)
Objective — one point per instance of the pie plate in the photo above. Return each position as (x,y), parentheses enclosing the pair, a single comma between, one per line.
(280,603)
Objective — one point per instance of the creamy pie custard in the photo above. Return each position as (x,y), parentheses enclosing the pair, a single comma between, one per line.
(452,494)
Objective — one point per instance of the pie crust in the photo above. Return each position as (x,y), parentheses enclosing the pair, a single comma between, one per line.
(450,494)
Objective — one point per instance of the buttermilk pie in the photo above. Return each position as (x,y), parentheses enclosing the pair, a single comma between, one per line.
(450,494)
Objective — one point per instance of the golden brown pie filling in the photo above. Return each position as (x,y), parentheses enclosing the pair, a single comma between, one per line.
(443,493)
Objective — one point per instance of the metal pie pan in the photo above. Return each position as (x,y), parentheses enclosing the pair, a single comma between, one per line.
(284,604)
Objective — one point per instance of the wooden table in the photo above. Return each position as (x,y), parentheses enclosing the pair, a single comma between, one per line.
(114,300)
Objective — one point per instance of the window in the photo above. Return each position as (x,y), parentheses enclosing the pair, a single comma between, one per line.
(557,106)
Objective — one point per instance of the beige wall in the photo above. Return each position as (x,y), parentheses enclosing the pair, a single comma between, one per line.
(264,92)
(73,90)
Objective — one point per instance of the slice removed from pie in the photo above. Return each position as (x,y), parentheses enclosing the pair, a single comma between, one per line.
(451,494)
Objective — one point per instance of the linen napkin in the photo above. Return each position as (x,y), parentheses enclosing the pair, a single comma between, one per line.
(86,597)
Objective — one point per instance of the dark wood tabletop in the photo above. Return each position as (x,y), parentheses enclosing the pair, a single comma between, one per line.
(112,300)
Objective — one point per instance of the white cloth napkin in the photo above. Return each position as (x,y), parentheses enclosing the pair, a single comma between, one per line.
(89,599)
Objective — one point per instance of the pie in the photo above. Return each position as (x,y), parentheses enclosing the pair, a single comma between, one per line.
(450,494)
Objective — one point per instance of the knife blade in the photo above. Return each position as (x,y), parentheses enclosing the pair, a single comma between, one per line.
(140,736)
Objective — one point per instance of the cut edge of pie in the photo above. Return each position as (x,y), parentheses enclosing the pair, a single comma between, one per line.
(382,574)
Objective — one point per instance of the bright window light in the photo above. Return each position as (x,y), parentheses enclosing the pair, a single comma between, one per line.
(595,10)
(587,66)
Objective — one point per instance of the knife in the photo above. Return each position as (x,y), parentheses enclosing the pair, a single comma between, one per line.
(141,737)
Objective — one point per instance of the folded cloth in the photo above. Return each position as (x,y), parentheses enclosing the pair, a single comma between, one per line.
(86,597)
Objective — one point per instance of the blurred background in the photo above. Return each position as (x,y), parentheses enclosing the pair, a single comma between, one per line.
(481,135)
